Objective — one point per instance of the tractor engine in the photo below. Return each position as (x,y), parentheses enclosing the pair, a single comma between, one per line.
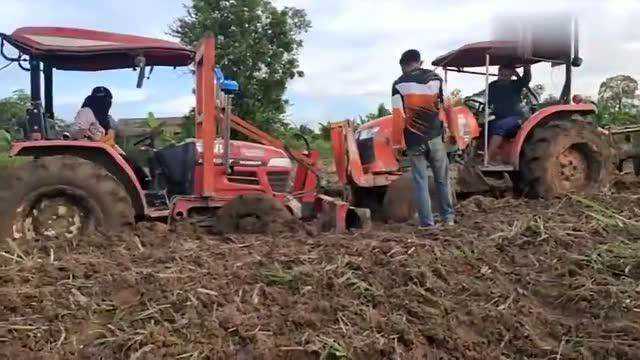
(179,168)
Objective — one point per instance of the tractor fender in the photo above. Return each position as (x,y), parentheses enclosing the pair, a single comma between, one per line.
(96,152)
(541,118)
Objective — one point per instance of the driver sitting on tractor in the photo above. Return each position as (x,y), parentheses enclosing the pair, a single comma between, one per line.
(93,121)
(505,98)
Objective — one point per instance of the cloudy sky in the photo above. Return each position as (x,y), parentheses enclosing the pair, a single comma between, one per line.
(350,54)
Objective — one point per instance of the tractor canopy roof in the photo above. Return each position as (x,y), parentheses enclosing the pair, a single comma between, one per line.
(474,55)
(90,50)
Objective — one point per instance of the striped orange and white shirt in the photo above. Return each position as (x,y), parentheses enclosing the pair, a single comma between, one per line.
(417,98)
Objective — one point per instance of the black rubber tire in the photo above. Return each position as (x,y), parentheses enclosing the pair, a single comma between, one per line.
(540,164)
(111,207)
(253,214)
(399,201)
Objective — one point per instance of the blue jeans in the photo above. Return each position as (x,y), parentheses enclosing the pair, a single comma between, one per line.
(436,156)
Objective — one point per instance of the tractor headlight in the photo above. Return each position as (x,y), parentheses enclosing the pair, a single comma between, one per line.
(368,133)
(280,162)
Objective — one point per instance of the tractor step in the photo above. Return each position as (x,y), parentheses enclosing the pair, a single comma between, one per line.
(157,199)
(496,168)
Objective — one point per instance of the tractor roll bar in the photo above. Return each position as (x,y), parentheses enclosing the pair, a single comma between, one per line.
(486,110)
(468,72)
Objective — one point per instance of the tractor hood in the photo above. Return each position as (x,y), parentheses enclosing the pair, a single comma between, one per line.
(251,154)
(90,50)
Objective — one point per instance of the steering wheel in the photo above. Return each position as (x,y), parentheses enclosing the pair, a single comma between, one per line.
(476,106)
(149,139)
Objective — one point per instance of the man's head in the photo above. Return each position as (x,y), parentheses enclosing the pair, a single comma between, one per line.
(102,95)
(506,72)
(410,60)
(102,92)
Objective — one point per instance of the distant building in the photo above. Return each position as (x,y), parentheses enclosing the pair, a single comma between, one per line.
(131,130)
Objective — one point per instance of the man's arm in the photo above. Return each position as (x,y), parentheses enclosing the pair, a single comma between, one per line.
(525,79)
(398,121)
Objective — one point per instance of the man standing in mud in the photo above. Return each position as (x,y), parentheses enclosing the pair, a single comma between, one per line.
(417,99)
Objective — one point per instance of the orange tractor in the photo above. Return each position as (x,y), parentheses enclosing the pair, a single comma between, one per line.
(557,149)
(68,187)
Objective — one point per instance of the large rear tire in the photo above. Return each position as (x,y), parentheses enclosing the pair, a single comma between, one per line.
(562,157)
(253,214)
(61,197)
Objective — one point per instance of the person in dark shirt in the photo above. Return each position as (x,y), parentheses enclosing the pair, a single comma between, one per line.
(505,98)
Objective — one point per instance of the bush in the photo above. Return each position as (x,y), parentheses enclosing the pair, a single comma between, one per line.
(7,162)
(5,140)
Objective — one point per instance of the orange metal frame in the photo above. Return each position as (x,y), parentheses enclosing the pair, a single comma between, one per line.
(212,186)
(208,116)
(206,112)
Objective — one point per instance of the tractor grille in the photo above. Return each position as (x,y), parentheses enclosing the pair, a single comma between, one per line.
(279,181)
(365,148)
(243,177)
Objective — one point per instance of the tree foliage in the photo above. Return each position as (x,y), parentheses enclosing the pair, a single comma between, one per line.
(381,111)
(618,93)
(258,46)
(13,108)
(618,102)
(5,140)
(455,97)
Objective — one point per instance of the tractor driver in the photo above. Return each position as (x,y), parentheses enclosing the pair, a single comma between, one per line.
(93,121)
(505,98)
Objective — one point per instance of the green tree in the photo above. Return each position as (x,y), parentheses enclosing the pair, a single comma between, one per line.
(156,129)
(617,101)
(381,111)
(5,140)
(306,131)
(13,108)
(188,128)
(258,46)
(618,93)
(325,131)
(455,97)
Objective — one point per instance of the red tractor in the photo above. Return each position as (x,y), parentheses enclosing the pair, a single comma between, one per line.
(557,149)
(70,186)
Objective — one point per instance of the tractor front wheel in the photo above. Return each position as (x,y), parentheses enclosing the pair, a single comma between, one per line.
(61,197)
(564,156)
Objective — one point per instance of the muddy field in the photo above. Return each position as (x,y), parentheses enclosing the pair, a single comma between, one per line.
(515,280)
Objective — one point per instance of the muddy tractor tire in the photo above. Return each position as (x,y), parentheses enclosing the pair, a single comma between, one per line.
(564,156)
(253,214)
(399,201)
(61,197)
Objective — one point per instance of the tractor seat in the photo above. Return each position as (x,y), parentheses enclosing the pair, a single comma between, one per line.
(175,164)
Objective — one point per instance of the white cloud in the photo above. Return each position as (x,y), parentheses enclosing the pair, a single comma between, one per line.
(353,48)
(121,96)
(173,107)
(350,54)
